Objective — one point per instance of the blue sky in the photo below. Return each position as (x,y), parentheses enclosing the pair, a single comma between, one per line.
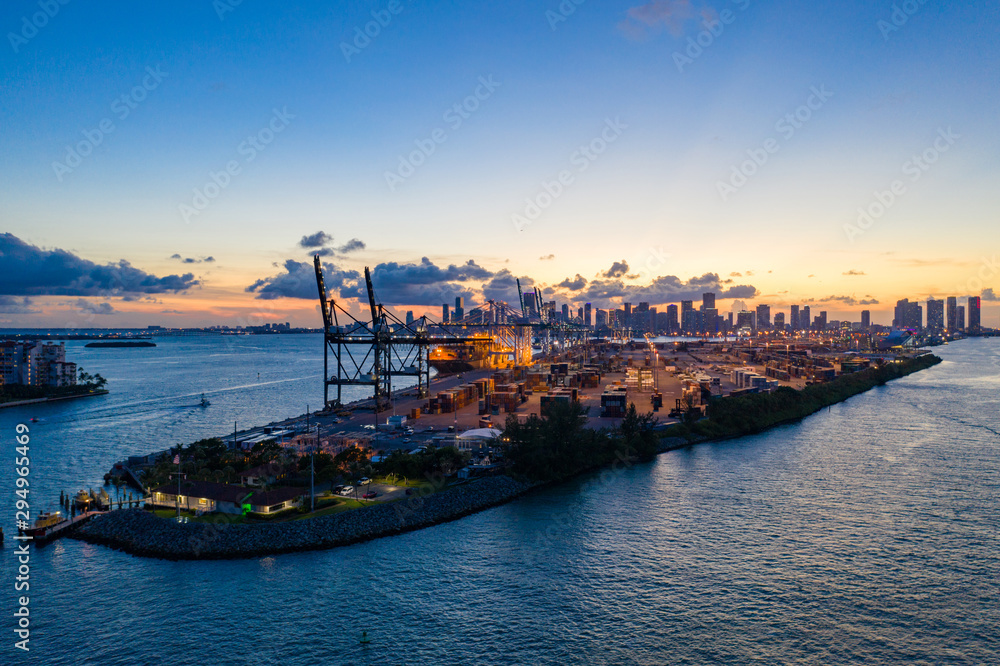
(653,193)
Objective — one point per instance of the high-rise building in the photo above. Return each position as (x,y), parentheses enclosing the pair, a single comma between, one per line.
(587,321)
(952,314)
(565,312)
(673,322)
(708,301)
(601,319)
(779,321)
(689,324)
(866,319)
(975,312)
(628,314)
(763,317)
(794,319)
(459,307)
(409,317)
(805,318)
(652,320)
(444,313)
(821,321)
(746,319)
(711,325)
(935,314)
(960,317)
(908,315)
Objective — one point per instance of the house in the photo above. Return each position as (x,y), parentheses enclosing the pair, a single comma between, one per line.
(261,475)
(208,497)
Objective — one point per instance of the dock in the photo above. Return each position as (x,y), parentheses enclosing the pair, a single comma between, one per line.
(43,535)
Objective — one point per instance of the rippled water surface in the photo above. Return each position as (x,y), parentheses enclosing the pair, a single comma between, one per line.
(865,534)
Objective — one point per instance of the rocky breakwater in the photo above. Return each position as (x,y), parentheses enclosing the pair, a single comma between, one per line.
(141,533)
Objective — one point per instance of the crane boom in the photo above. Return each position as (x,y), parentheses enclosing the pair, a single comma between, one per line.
(371,297)
(322,292)
(520,296)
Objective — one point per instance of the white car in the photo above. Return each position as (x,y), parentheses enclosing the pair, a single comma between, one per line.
(348,490)
(364,481)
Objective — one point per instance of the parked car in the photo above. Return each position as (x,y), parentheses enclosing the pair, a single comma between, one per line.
(451,428)
(347,490)
(371,494)
(364,481)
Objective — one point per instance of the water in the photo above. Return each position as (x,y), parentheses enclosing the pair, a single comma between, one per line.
(866,534)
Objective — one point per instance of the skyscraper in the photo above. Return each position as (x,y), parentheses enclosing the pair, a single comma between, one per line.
(794,319)
(673,322)
(601,320)
(565,312)
(960,324)
(444,313)
(459,307)
(689,324)
(975,323)
(763,317)
(805,318)
(935,314)
(586,316)
(952,314)
(708,301)
(779,321)
(409,317)
(866,319)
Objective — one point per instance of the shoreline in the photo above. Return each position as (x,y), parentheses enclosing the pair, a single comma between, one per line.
(37,401)
(140,533)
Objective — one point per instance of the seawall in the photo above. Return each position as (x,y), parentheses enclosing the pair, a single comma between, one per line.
(139,532)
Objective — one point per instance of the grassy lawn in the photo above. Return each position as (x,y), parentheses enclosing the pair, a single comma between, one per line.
(338,506)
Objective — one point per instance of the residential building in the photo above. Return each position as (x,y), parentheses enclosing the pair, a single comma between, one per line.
(935,314)
(975,313)
(952,314)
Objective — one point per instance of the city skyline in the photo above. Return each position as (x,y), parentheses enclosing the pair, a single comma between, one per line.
(604,154)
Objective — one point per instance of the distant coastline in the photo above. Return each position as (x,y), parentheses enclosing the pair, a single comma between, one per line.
(121,343)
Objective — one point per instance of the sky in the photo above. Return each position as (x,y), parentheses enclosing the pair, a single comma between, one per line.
(179,164)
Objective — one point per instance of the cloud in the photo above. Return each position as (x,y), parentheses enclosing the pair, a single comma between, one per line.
(503,287)
(172,311)
(299,281)
(352,245)
(395,284)
(191,260)
(90,307)
(32,271)
(618,269)
(548,257)
(735,274)
(664,289)
(854,272)
(845,300)
(318,239)
(989,295)
(12,305)
(573,284)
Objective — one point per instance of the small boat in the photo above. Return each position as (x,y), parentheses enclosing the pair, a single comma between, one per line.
(82,500)
(44,521)
(204,402)
(103,499)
